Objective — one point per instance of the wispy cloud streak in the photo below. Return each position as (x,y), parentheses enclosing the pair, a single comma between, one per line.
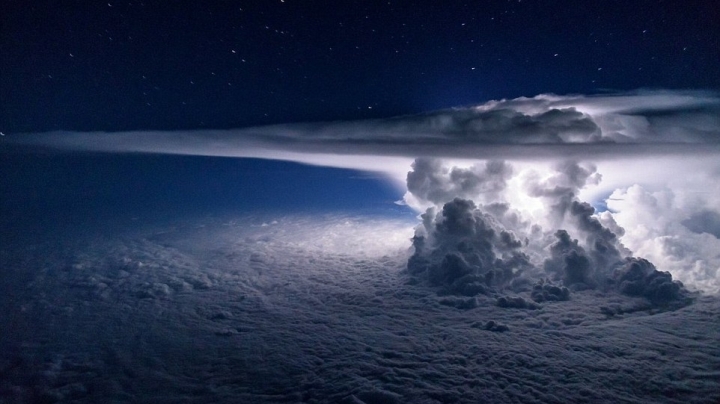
(616,125)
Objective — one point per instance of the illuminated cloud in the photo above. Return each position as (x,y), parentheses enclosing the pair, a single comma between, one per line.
(663,226)
(497,243)
(536,165)
(608,126)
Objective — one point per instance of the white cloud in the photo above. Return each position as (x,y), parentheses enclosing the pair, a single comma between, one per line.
(610,126)
(614,131)
(653,223)
(638,223)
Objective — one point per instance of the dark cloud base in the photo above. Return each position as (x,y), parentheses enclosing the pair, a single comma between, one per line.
(220,310)
(466,251)
(706,221)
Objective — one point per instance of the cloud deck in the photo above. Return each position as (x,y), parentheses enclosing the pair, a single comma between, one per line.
(611,126)
(232,311)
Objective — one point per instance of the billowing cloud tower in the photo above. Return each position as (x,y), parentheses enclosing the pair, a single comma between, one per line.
(490,247)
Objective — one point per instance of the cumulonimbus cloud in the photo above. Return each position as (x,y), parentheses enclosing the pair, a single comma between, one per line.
(490,248)
(634,144)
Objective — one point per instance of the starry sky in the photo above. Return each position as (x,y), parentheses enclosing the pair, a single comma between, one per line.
(136,65)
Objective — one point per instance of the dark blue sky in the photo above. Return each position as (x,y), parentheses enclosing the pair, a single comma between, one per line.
(165,65)
(43,192)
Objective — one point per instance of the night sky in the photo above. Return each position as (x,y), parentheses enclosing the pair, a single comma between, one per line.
(227,64)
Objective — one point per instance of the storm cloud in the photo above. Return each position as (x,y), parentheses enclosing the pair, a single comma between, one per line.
(469,249)
(466,250)
(430,181)
(609,126)
(530,167)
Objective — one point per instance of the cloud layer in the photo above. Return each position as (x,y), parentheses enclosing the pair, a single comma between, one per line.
(608,126)
(232,309)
